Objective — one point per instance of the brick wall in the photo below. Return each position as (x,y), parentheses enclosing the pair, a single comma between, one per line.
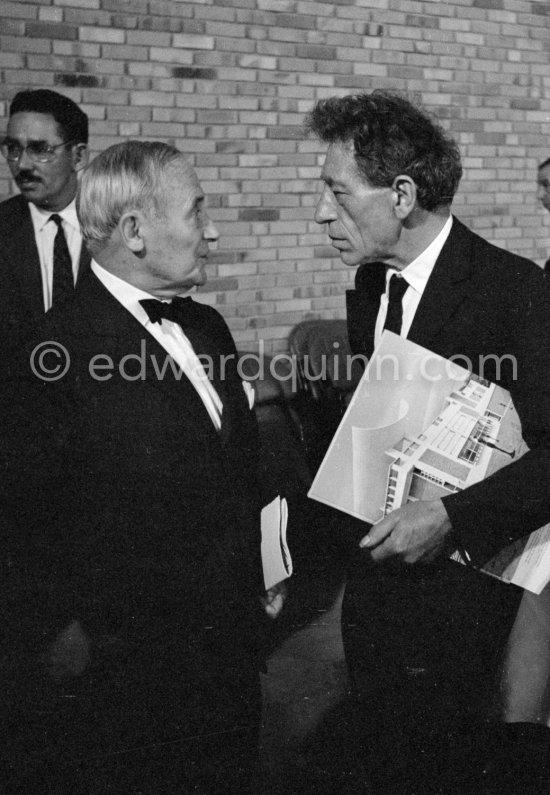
(228,81)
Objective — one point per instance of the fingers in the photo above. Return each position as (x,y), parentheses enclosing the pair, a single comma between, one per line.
(274,607)
(417,532)
(384,551)
(274,599)
(379,532)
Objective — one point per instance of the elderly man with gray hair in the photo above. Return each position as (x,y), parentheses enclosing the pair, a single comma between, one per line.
(140,554)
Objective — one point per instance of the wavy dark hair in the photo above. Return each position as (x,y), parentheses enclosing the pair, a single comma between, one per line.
(70,119)
(391,136)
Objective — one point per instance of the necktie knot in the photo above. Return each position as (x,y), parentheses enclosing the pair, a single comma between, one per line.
(178,310)
(56,219)
(398,287)
(394,315)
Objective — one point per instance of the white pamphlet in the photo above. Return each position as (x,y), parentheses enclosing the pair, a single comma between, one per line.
(276,560)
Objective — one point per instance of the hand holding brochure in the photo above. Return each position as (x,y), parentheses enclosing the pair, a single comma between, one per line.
(276,560)
(420,427)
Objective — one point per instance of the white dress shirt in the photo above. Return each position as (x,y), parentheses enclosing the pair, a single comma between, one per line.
(44,234)
(169,335)
(416,274)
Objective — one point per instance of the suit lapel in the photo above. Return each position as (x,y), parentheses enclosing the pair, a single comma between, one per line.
(23,253)
(83,263)
(119,334)
(21,249)
(206,345)
(362,306)
(448,286)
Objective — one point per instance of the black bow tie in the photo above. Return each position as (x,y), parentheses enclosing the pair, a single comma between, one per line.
(179,310)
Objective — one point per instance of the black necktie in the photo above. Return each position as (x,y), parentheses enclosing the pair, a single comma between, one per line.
(63,281)
(394,315)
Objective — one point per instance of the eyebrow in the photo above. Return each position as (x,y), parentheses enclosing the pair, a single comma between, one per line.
(195,201)
(331,182)
(11,140)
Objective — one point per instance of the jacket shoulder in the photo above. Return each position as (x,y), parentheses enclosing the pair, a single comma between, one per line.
(505,263)
(12,205)
(215,323)
(11,211)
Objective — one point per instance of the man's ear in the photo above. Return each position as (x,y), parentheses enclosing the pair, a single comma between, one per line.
(404,196)
(79,154)
(130,228)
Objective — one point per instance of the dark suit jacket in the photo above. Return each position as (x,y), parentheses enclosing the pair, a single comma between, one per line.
(482,301)
(423,642)
(130,511)
(21,296)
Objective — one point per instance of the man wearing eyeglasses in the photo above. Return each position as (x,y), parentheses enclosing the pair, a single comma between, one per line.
(41,252)
(543,193)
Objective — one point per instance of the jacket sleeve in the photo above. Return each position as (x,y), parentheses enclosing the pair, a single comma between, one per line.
(515,500)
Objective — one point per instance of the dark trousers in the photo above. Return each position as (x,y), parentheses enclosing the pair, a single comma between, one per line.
(423,648)
(118,732)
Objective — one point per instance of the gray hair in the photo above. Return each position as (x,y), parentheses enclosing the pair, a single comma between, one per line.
(124,177)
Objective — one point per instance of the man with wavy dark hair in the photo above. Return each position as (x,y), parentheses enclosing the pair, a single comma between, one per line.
(41,251)
(423,634)
(543,192)
(390,137)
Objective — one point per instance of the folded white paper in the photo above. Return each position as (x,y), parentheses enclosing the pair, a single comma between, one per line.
(276,560)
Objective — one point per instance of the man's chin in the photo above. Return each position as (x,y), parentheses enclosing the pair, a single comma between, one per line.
(350,258)
(200,279)
(30,190)
(197,280)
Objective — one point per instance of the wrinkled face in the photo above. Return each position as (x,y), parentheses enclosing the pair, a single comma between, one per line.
(177,241)
(543,186)
(51,186)
(359,218)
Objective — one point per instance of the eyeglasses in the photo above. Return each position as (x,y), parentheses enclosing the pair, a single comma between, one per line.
(38,151)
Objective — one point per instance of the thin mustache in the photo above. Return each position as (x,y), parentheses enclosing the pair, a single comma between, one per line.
(25,176)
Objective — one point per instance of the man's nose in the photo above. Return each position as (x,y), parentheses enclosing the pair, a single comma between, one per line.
(324,211)
(210,232)
(24,163)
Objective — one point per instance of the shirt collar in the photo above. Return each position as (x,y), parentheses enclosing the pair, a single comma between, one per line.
(41,217)
(420,269)
(127,294)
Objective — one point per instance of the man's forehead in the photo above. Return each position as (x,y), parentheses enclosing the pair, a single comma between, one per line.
(183,180)
(183,170)
(37,126)
(340,166)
